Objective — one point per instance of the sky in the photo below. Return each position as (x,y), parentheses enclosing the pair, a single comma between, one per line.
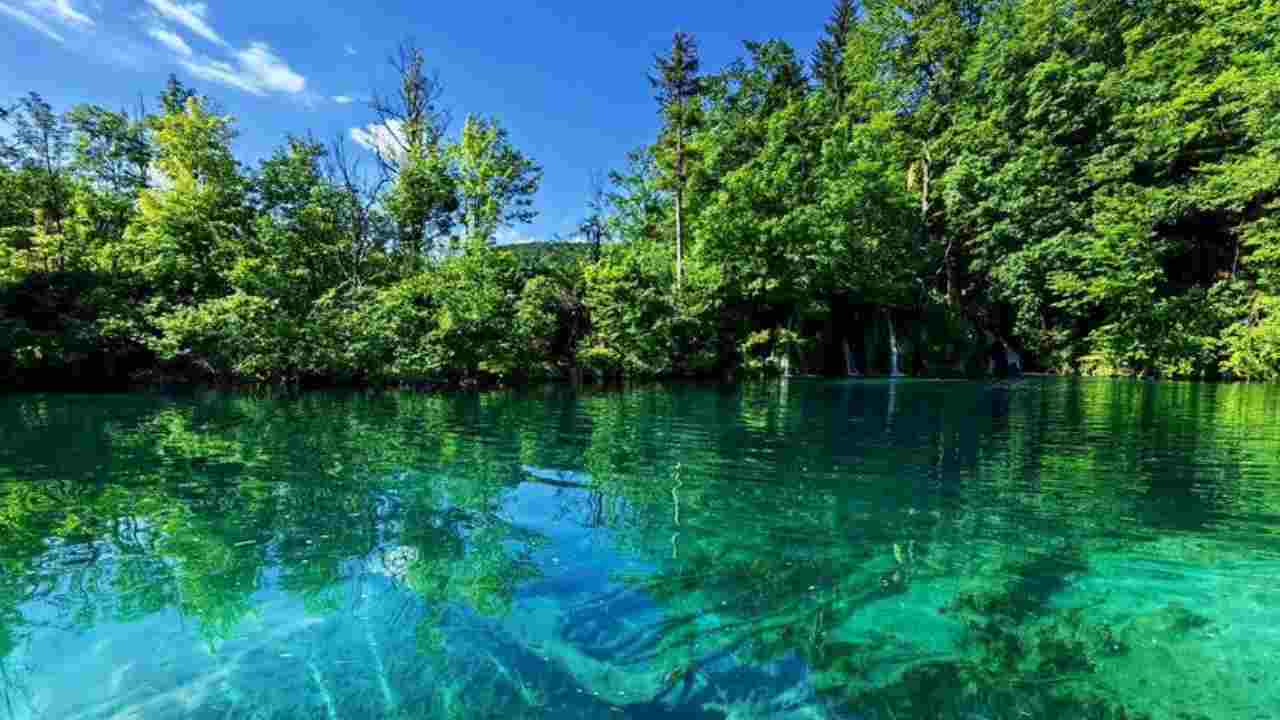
(567,78)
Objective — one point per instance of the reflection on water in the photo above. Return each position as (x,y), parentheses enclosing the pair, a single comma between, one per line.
(870,550)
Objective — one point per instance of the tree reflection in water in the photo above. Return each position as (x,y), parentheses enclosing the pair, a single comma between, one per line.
(948,550)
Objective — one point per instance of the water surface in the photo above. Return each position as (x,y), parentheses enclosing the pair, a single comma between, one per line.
(798,550)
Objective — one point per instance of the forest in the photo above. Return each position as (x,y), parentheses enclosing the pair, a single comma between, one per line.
(941,188)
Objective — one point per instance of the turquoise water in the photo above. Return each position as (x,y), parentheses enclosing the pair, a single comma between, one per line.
(800,550)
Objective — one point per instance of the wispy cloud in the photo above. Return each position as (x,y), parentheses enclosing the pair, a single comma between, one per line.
(192,16)
(343,99)
(62,10)
(171,40)
(31,21)
(220,72)
(349,49)
(44,16)
(385,139)
(257,70)
(268,71)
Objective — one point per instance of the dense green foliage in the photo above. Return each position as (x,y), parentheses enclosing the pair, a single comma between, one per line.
(1079,186)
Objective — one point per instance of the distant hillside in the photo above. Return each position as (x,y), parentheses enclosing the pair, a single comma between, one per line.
(549,250)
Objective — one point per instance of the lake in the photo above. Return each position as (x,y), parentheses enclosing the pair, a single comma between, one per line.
(872,550)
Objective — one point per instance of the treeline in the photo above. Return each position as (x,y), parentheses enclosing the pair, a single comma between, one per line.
(944,187)
(138,247)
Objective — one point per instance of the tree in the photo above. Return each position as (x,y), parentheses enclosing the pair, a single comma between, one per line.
(190,228)
(296,253)
(110,149)
(111,157)
(759,150)
(496,182)
(632,312)
(926,46)
(41,140)
(1092,182)
(594,228)
(8,151)
(361,218)
(410,147)
(678,85)
(454,322)
(828,56)
(639,204)
(175,96)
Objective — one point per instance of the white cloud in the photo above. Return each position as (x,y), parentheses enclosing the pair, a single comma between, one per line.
(192,16)
(343,99)
(62,10)
(171,40)
(220,72)
(348,49)
(31,21)
(44,15)
(385,139)
(257,70)
(266,70)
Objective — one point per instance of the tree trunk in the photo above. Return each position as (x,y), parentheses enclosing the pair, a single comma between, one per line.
(951,265)
(679,207)
(679,237)
(953,276)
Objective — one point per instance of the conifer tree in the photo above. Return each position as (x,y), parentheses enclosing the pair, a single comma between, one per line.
(828,57)
(677,86)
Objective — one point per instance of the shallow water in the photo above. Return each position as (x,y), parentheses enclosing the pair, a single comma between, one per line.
(798,550)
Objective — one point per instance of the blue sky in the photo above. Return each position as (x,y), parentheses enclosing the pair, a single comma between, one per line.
(566,77)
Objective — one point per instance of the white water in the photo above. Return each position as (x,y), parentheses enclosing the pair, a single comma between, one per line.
(786,357)
(1014,361)
(895,369)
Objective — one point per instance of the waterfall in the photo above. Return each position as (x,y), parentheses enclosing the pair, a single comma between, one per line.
(790,338)
(895,368)
(1014,361)
(849,368)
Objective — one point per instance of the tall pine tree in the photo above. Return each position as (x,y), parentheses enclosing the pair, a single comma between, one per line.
(828,57)
(677,85)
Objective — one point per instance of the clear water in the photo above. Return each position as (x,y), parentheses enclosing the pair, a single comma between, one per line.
(799,550)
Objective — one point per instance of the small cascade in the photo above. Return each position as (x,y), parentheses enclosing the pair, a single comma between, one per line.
(850,368)
(1014,361)
(786,353)
(895,367)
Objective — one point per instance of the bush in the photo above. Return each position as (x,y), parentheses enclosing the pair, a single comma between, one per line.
(1253,345)
(454,322)
(641,325)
